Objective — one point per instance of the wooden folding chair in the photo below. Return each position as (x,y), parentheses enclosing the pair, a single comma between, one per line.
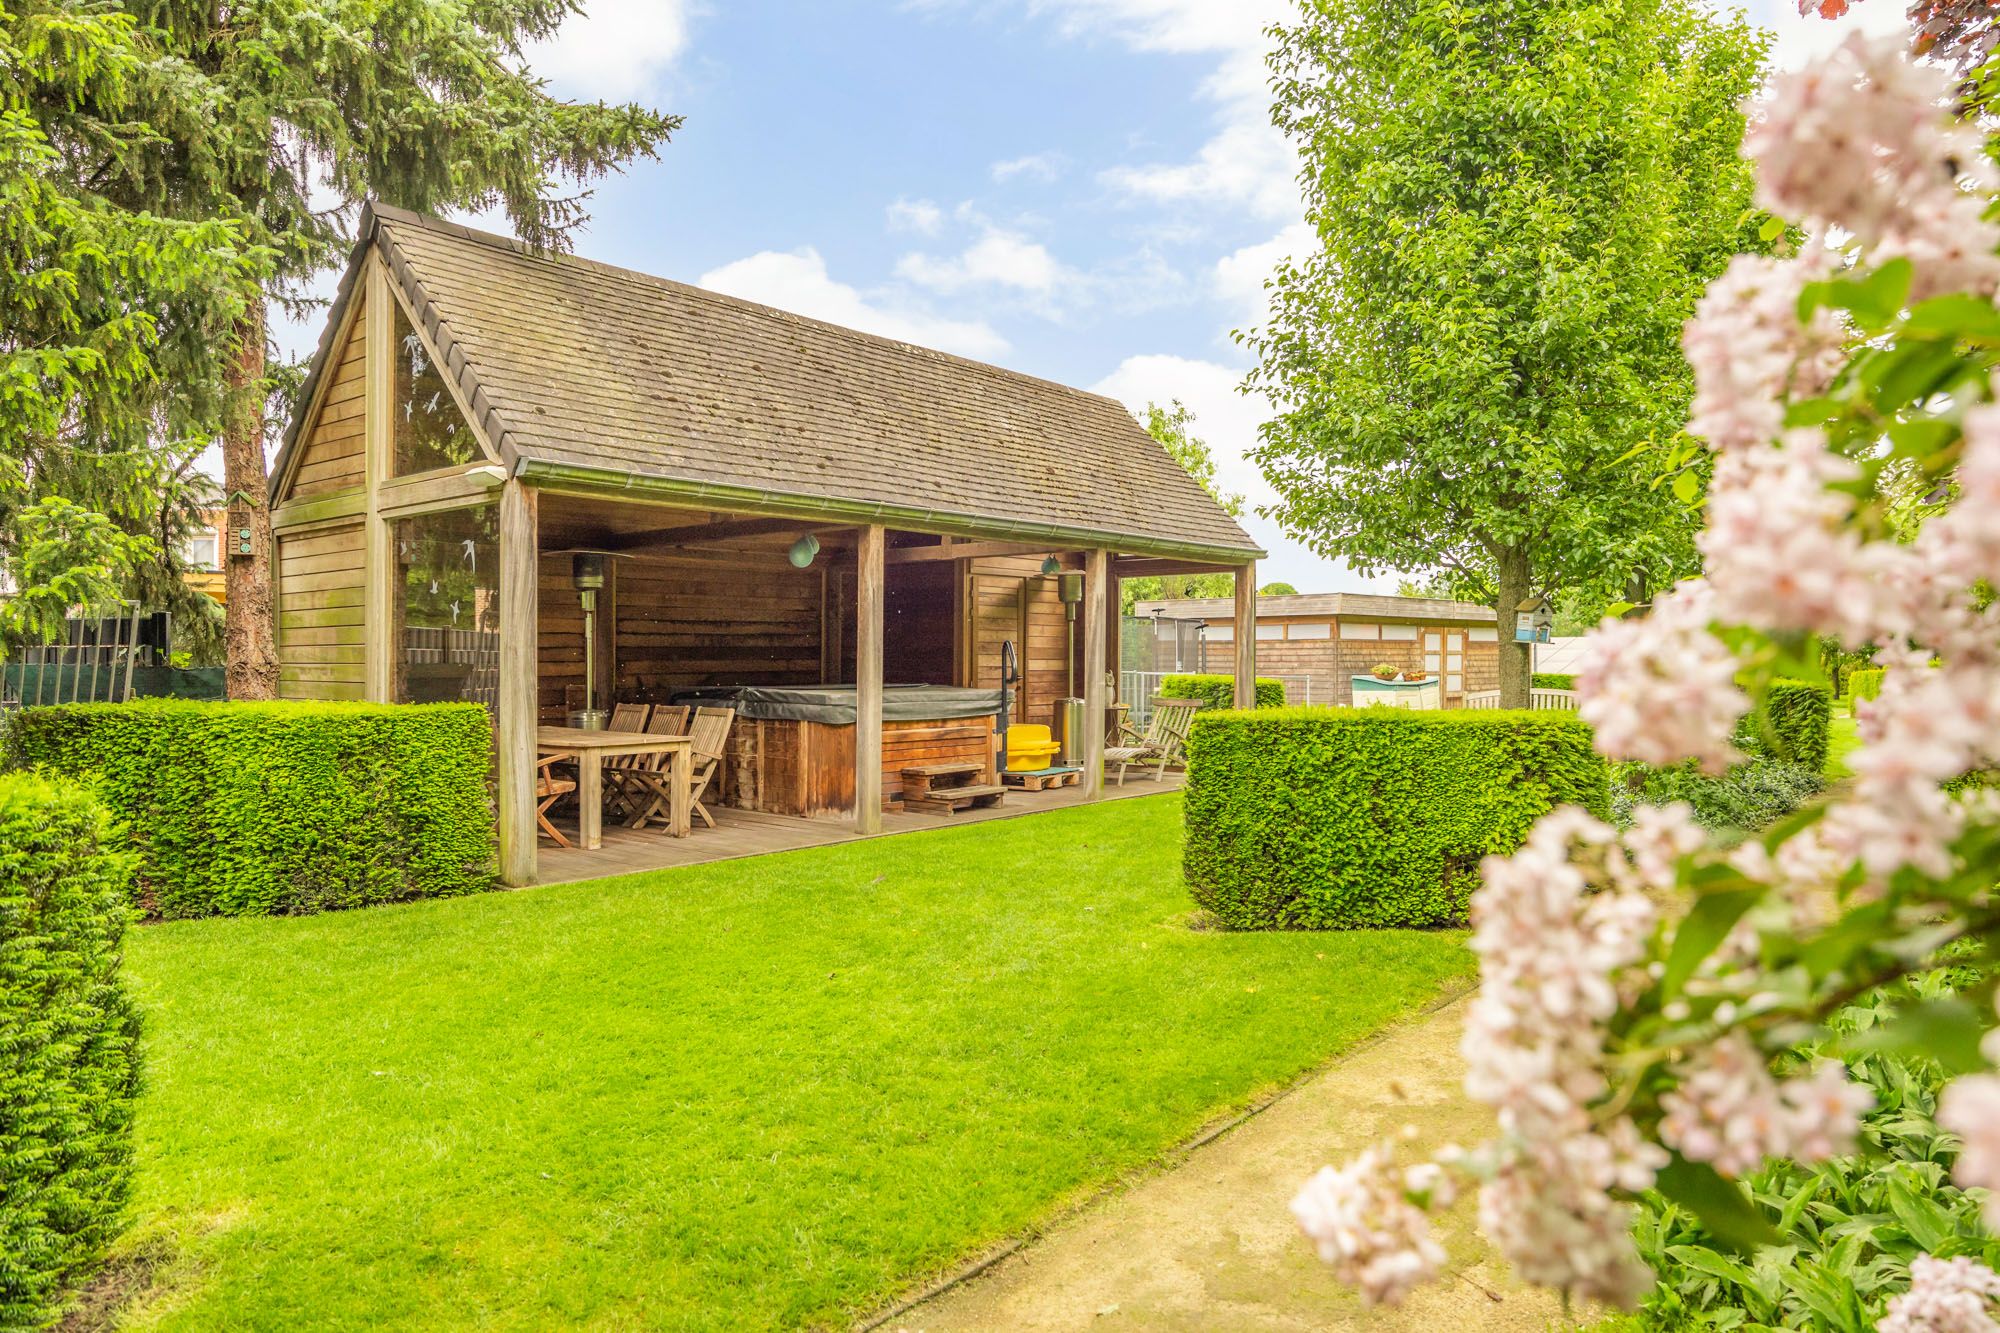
(549,789)
(624,717)
(643,783)
(711,733)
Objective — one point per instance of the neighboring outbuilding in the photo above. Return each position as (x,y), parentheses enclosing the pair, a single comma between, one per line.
(780,502)
(1329,638)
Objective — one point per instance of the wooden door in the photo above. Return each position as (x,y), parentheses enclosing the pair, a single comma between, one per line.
(1444,656)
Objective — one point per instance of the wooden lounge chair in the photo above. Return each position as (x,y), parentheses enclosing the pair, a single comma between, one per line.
(1161,743)
(549,788)
(642,782)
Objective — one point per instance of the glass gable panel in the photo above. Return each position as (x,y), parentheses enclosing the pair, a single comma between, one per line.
(430,432)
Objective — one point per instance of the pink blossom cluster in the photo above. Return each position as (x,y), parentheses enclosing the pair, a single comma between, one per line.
(1370,1223)
(1945,1296)
(1970,1108)
(1728,1110)
(1662,689)
(1777,548)
(1554,925)
(1748,348)
(1862,141)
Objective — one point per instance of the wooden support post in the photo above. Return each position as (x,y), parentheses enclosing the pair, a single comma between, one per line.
(1246,635)
(515,714)
(868,679)
(1096,638)
(378,450)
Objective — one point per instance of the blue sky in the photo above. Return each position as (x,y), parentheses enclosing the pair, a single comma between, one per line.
(1087,190)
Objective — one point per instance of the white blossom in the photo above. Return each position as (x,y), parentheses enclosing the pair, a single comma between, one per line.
(1945,1296)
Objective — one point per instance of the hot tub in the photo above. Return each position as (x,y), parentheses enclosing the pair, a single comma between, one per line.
(791,750)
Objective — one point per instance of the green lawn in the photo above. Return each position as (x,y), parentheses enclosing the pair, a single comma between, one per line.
(1842,740)
(763,1092)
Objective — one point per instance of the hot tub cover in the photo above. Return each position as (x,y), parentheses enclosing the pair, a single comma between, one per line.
(835,703)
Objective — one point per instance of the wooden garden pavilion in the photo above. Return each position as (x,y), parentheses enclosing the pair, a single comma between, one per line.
(780,502)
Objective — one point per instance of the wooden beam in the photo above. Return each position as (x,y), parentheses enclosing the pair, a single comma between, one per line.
(377,453)
(337,507)
(1135,567)
(697,534)
(515,715)
(433,491)
(1096,638)
(868,681)
(955,550)
(1246,635)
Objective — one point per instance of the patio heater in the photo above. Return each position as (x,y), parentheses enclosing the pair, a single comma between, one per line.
(586,575)
(1069,721)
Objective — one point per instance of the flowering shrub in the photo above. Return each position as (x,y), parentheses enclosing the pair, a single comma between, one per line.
(1642,991)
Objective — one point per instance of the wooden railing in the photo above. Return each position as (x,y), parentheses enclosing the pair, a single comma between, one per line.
(1538,699)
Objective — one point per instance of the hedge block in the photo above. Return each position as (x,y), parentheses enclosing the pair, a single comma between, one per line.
(1336,818)
(1793,726)
(1217,692)
(261,809)
(1866,683)
(69,1043)
(1551,680)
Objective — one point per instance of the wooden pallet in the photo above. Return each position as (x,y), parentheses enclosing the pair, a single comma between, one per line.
(943,789)
(1041,779)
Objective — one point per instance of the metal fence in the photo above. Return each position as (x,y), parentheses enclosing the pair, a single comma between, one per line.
(92,663)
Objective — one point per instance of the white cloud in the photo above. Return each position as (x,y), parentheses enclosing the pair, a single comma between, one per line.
(797,280)
(615,49)
(1239,277)
(1035,166)
(996,259)
(917,215)
(1228,421)
(1798,38)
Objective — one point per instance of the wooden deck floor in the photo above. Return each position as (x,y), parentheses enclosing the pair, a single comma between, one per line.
(747,833)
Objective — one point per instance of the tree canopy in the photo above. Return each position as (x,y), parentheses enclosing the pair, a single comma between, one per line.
(1173,427)
(281,119)
(1516,213)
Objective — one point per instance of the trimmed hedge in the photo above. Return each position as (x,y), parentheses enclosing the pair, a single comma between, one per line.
(1866,683)
(1551,680)
(1794,725)
(1336,818)
(69,1043)
(268,809)
(1219,692)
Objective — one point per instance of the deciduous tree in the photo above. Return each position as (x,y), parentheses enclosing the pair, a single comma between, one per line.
(1173,427)
(1517,208)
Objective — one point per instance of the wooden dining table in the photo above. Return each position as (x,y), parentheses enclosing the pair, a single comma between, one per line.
(591,748)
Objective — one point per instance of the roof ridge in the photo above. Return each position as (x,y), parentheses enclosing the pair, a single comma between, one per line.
(428,222)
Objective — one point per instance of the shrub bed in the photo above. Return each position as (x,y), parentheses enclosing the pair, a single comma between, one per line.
(1750,796)
(1219,692)
(69,1043)
(1330,818)
(283,808)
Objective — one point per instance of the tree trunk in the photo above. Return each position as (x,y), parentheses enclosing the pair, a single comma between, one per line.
(1516,662)
(249,644)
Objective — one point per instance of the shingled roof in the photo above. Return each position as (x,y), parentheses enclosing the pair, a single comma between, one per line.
(578,370)
(1363,605)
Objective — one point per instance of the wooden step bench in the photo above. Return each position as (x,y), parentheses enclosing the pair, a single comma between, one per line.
(943,789)
(1041,779)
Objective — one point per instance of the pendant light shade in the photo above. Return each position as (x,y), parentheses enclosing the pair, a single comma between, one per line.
(803,550)
(1051,565)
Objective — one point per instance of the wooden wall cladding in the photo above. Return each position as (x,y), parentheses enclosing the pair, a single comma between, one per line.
(333,456)
(321,587)
(680,623)
(1013,599)
(806,769)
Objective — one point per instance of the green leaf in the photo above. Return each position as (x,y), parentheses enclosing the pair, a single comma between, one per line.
(1773,228)
(1687,487)
(1929,1225)
(1947,1030)
(1720,1203)
(1704,928)
(1954,316)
